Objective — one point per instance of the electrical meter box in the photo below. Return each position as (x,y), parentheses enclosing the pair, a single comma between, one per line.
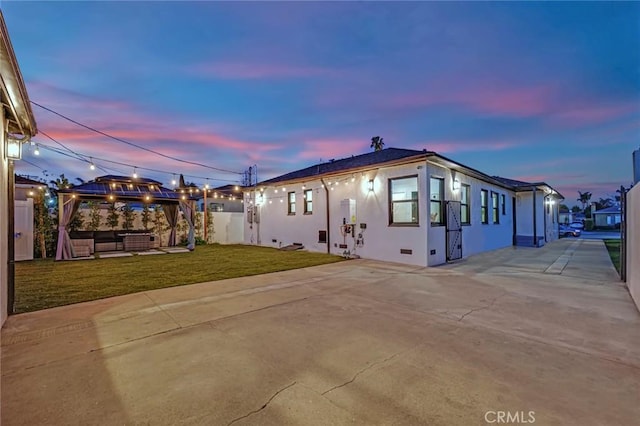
(348,209)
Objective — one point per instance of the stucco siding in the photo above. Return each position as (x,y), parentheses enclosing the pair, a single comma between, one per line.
(4,213)
(633,243)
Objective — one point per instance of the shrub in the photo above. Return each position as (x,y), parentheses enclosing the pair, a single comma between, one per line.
(588,224)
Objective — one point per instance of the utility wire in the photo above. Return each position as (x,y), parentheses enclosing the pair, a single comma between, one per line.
(133,144)
(78,156)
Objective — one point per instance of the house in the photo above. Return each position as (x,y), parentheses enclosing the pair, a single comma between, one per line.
(17,126)
(609,217)
(227,198)
(401,205)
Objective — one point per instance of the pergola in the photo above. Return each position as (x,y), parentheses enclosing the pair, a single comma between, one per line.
(113,188)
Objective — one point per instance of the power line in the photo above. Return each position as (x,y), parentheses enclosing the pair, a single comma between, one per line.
(131,143)
(79,157)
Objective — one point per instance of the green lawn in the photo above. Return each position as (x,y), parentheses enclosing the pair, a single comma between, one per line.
(44,284)
(614,252)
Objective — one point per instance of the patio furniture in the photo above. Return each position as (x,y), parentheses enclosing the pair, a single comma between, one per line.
(136,241)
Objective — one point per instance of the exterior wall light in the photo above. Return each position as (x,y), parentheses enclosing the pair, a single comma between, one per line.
(14,149)
(456,184)
(370,185)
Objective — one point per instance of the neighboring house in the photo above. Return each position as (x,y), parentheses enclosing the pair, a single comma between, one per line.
(400,205)
(226,198)
(17,126)
(25,191)
(607,218)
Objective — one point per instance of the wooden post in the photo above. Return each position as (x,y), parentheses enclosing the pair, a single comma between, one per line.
(204,218)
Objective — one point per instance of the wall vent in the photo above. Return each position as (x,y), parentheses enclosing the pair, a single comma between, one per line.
(406,251)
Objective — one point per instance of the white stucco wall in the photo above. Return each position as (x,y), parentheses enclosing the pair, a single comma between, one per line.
(476,237)
(228,227)
(633,243)
(381,241)
(4,213)
(524,216)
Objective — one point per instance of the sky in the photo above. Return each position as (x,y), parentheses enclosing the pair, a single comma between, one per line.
(531,91)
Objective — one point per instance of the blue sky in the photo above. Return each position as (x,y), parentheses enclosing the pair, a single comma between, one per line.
(531,91)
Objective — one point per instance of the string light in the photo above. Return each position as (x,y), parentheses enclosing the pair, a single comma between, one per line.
(91,165)
(36,151)
(135,173)
(173,181)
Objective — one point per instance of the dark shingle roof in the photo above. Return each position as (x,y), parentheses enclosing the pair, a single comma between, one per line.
(20,180)
(354,162)
(127,179)
(512,182)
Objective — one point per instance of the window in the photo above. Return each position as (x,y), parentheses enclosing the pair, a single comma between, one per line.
(494,207)
(308,201)
(504,204)
(403,201)
(292,203)
(465,216)
(484,201)
(436,196)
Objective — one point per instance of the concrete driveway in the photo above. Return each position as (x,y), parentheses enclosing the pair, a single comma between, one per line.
(545,334)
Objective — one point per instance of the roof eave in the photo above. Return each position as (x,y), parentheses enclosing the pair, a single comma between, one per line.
(22,120)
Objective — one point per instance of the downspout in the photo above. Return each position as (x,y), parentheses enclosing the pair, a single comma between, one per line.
(535,225)
(326,192)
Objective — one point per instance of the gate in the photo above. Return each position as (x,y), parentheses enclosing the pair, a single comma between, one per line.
(454,231)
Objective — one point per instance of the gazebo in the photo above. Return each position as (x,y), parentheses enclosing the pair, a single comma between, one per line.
(113,188)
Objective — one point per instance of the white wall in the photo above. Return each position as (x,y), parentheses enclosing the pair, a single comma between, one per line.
(524,219)
(476,237)
(633,243)
(381,241)
(228,227)
(4,213)
(24,229)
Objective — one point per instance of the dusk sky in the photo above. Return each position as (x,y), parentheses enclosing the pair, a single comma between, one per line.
(530,91)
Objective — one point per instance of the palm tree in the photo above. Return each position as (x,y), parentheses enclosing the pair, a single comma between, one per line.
(61,182)
(376,143)
(584,198)
(603,203)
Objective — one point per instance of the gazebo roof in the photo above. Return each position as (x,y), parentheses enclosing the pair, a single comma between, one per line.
(125,188)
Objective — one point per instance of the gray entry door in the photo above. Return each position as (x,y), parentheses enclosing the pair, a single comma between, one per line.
(454,231)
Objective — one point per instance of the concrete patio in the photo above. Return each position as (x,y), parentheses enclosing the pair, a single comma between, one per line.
(549,330)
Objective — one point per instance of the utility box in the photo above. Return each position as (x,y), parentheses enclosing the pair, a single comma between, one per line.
(348,209)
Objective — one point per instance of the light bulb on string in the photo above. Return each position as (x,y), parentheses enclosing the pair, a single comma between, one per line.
(135,173)
(36,151)
(173,181)
(91,165)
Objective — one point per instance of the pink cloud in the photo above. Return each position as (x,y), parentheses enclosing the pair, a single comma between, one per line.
(446,146)
(592,114)
(249,71)
(328,148)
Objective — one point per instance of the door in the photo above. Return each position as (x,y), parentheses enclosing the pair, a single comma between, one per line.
(454,231)
(24,229)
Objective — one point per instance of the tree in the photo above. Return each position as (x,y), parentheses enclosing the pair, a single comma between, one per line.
(146,216)
(376,143)
(562,208)
(159,222)
(94,216)
(584,198)
(61,182)
(113,217)
(44,227)
(603,203)
(210,229)
(575,209)
(128,215)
